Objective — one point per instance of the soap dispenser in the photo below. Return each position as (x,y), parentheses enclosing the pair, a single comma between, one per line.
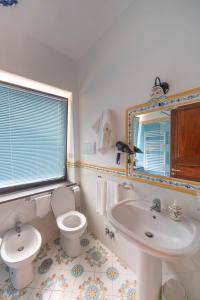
(175,211)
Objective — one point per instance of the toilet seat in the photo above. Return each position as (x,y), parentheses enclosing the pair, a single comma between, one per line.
(72,221)
(173,290)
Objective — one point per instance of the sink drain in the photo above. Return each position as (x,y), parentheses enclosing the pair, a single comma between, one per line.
(20,249)
(149,234)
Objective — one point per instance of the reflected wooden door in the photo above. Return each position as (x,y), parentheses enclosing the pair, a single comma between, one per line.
(185,142)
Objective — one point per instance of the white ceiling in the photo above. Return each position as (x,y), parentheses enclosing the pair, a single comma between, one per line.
(68,26)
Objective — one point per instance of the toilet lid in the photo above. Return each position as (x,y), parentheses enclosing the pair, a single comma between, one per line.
(62,201)
(173,290)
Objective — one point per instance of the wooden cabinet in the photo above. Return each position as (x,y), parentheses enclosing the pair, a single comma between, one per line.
(185,142)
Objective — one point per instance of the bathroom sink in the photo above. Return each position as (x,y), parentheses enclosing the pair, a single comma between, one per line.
(156,237)
(20,248)
(155,233)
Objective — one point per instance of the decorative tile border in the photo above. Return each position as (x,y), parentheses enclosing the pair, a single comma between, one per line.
(181,186)
(169,183)
(97,168)
(170,101)
(187,97)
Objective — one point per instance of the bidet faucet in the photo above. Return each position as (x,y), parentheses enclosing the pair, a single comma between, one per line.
(18,226)
(156,205)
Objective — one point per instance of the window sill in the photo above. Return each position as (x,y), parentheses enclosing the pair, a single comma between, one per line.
(33,191)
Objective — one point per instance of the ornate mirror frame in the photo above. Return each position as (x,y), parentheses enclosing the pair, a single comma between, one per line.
(187,97)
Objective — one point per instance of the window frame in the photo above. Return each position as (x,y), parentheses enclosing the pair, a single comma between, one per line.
(24,187)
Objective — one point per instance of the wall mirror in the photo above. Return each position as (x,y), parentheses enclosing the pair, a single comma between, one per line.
(166,139)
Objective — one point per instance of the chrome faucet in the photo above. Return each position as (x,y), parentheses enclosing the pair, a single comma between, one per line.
(18,226)
(156,205)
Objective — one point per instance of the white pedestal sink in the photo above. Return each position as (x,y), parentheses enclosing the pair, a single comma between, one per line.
(157,237)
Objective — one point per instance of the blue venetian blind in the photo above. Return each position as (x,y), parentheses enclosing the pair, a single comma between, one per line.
(33,130)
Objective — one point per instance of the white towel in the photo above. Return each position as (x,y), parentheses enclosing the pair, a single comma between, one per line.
(42,204)
(101,196)
(105,129)
(112,194)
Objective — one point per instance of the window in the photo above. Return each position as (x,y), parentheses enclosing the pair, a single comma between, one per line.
(33,138)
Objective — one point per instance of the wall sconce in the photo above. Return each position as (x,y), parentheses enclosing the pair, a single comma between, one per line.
(159,91)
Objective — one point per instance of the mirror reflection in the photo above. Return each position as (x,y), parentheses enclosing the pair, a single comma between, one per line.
(152,138)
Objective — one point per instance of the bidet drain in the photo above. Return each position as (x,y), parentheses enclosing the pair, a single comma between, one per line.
(20,249)
(149,234)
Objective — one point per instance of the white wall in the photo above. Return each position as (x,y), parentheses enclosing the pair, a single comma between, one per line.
(24,56)
(153,38)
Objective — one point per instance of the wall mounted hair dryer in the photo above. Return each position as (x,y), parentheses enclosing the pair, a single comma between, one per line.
(124,148)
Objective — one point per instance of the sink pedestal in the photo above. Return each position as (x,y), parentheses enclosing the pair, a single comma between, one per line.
(149,274)
(22,277)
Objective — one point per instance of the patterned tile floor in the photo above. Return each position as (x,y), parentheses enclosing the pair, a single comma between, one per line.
(97,274)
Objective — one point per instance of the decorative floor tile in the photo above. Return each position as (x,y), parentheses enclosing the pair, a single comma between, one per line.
(48,282)
(96,256)
(106,281)
(45,266)
(58,295)
(81,279)
(120,265)
(86,265)
(87,241)
(64,281)
(54,246)
(67,264)
(43,253)
(62,258)
(109,253)
(92,289)
(112,273)
(77,270)
(40,278)
(97,274)
(40,295)
(92,235)
(4,272)
(8,292)
(73,296)
(122,285)
(103,267)
(127,291)
(84,242)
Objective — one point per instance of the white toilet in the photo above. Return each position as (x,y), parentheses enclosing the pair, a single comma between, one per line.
(71,223)
(173,290)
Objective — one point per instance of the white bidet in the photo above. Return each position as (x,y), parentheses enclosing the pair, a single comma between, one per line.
(18,250)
